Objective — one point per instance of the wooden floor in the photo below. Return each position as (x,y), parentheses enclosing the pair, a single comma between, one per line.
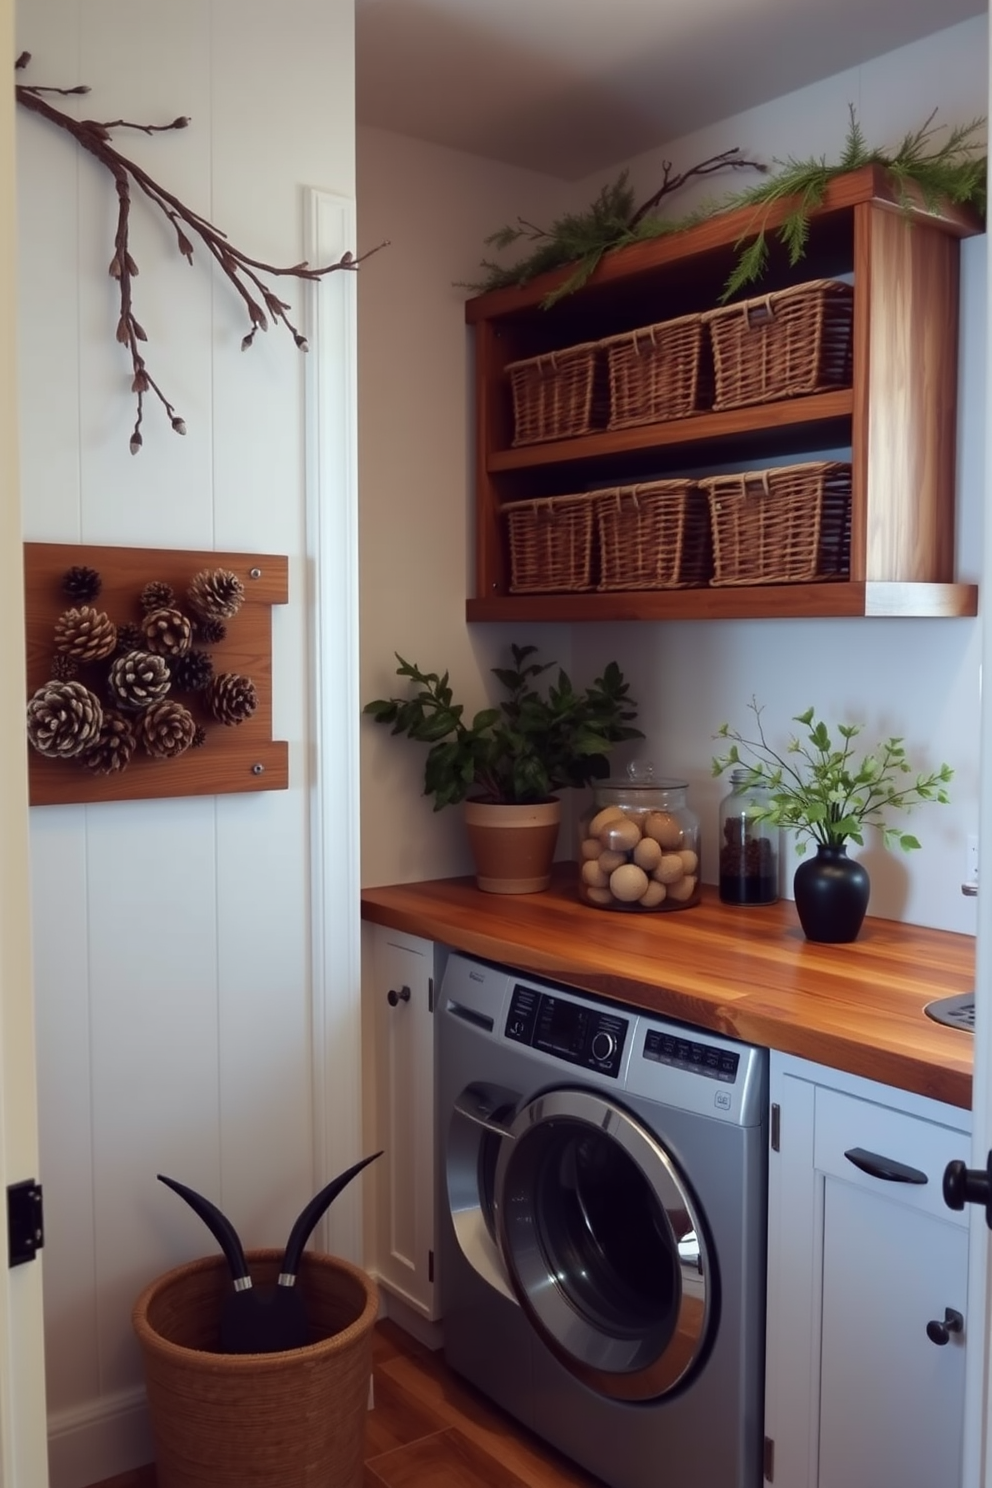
(429,1429)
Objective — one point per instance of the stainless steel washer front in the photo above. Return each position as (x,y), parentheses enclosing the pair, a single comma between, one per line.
(586,1195)
(601,1240)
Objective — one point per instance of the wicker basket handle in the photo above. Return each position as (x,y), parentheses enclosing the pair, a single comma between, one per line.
(758,313)
(755,484)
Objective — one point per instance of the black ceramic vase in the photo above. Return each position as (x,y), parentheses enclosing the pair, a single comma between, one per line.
(831,895)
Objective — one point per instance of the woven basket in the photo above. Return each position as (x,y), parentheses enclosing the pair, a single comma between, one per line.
(655,372)
(284,1420)
(782,345)
(551,544)
(653,536)
(786,526)
(557,395)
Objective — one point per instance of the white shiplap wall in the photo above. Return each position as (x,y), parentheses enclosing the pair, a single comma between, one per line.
(175,990)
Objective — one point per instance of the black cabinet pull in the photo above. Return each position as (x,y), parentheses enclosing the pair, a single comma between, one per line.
(940,1333)
(885,1168)
(964,1185)
(393,997)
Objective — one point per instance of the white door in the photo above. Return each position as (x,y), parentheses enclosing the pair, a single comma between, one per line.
(23,1443)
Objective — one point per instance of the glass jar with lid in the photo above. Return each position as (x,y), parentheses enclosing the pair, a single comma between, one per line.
(748,845)
(639,844)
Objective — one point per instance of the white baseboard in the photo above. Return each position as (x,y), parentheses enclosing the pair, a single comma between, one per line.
(99,1440)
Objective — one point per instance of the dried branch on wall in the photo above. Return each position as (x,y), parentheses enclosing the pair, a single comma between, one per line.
(261,302)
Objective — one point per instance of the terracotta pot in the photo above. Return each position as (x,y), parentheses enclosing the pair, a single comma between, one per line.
(831,895)
(513,846)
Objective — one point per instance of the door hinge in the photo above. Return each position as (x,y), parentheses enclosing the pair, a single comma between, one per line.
(775,1134)
(25,1222)
(430,994)
(430,1265)
(769,1460)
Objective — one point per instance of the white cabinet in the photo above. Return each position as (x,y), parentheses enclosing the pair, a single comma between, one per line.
(862,1256)
(398,998)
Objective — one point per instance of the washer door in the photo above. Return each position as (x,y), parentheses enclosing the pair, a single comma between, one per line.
(603,1245)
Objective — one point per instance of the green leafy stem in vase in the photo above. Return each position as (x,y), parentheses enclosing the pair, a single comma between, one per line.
(819,789)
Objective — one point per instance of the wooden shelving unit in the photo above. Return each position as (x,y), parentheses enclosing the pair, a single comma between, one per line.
(896,424)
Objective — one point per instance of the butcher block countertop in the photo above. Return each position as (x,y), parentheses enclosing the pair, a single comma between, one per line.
(747,972)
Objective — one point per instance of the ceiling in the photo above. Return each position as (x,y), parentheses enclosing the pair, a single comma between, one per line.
(570,86)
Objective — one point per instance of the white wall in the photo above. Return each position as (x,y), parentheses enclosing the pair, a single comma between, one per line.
(688,677)
(435,207)
(172,938)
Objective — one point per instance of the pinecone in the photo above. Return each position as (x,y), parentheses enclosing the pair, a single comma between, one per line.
(209,631)
(86,633)
(130,638)
(81,583)
(199,737)
(63,668)
(63,719)
(167,632)
(111,752)
(231,698)
(193,672)
(166,729)
(137,679)
(157,596)
(216,593)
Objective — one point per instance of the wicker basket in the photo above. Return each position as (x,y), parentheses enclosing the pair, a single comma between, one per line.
(782,345)
(655,372)
(653,536)
(282,1420)
(785,526)
(557,395)
(551,544)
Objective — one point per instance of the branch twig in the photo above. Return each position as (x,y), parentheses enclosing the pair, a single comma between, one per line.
(245,273)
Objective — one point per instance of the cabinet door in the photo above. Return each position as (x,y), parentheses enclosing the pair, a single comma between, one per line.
(400,987)
(857,1394)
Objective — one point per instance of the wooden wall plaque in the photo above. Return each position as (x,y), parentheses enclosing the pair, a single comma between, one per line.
(243,757)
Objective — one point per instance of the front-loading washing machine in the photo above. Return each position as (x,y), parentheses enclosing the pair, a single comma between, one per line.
(601,1252)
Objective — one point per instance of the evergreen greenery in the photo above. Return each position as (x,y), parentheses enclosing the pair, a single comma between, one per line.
(952,169)
(524,750)
(820,790)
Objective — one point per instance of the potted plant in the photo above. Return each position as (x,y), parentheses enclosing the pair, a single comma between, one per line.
(820,790)
(508,763)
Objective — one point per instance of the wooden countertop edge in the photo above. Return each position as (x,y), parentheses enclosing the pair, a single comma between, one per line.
(816,1010)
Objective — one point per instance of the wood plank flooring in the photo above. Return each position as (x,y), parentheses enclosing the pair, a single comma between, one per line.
(429,1429)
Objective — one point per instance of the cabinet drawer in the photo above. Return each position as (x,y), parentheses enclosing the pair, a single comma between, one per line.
(845,1123)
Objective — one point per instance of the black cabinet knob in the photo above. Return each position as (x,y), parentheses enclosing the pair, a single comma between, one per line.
(940,1333)
(393,997)
(964,1185)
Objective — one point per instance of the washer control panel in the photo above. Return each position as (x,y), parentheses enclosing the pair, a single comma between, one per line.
(684,1053)
(590,1037)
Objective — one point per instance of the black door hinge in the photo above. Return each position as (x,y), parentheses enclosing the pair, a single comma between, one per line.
(430,994)
(775,1135)
(25,1222)
(769,1464)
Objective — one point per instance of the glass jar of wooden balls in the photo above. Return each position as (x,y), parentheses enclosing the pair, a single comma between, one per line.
(639,845)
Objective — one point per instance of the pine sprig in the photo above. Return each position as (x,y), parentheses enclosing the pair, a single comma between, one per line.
(949,170)
(581,238)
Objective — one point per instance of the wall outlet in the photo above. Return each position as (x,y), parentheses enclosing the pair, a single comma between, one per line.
(971,860)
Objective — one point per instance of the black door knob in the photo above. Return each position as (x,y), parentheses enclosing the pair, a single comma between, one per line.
(940,1333)
(964,1185)
(393,997)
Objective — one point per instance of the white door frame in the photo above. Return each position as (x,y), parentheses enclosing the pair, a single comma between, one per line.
(23,1433)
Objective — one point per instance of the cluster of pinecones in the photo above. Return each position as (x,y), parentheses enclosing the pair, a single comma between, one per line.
(141,667)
